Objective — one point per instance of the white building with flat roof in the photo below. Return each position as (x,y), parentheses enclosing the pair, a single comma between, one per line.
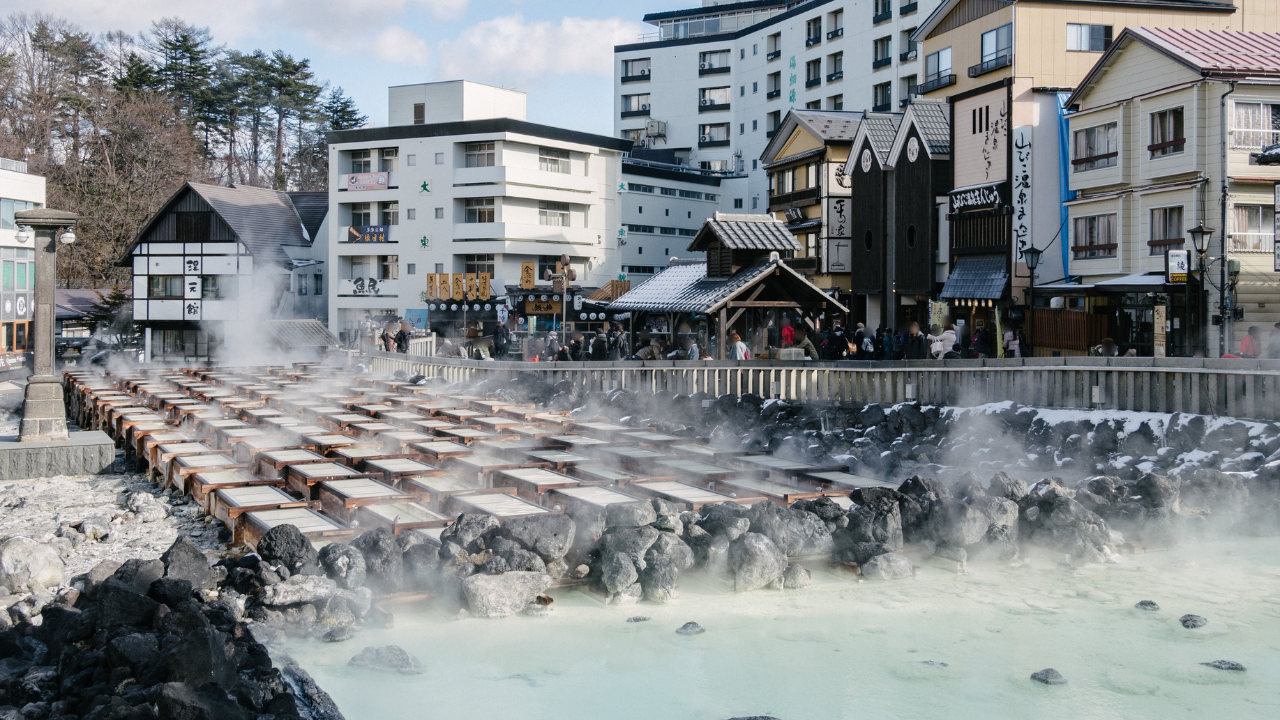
(663,206)
(19,190)
(460,184)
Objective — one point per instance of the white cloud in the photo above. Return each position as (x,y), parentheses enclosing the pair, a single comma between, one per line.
(508,48)
(397,45)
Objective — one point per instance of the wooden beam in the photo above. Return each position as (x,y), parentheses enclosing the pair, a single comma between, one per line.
(722,341)
(763,304)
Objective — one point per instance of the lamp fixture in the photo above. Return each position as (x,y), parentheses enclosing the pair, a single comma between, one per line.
(24,235)
(67,237)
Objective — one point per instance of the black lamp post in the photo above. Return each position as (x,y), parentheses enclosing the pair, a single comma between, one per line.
(1200,239)
(1032,257)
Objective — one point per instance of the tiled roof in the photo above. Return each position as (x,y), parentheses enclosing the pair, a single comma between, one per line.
(976,277)
(263,219)
(311,208)
(301,334)
(745,232)
(1219,52)
(931,121)
(829,124)
(881,129)
(686,288)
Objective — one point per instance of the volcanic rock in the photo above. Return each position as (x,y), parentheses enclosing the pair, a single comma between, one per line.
(1225,665)
(549,535)
(286,545)
(887,567)
(185,561)
(690,628)
(181,701)
(659,580)
(383,560)
(1049,676)
(389,658)
(630,514)
(502,595)
(343,564)
(1148,605)
(756,562)
(796,577)
(1191,622)
(28,566)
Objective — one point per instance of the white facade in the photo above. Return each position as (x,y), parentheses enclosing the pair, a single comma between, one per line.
(18,191)
(716,97)
(467,193)
(663,206)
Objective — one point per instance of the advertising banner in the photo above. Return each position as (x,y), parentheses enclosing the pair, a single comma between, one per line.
(367,181)
(367,234)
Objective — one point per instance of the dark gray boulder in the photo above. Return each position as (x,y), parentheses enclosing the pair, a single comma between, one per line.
(690,628)
(182,701)
(671,548)
(550,535)
(956,523)
(139,574)
(470,531)
(286,545)
(617,571)
(185,561)
(170,591)
(343,564)
(890,566)
(1191,622)
(1147,605)
(383,560)
(120,605)
(633,541)
(388,658)
(1225,665)
(756,562)
(1049,676)
(659,580)
(201,657)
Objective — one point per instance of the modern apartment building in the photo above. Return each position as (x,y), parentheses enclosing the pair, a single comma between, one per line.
(1147,157)
(663,206)
(459,184)
(19,190)
(713,83)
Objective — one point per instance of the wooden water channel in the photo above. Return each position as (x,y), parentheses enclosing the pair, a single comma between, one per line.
(1236,388)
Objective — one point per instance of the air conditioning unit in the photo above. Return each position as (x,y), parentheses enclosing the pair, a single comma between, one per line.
(644,71)
(706,101)
(644,143)
(705,138)
(702,66)
(645,107)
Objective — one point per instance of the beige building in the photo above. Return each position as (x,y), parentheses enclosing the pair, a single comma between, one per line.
(1147,155)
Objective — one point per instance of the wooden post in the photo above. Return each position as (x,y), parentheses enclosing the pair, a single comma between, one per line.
(722,332)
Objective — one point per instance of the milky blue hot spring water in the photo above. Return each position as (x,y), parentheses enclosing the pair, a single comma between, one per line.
(939,645)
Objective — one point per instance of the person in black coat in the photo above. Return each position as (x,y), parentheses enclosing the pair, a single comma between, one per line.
(915,346)
(599,348)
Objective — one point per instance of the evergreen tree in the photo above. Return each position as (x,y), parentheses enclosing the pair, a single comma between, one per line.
(136,75)
(341,111)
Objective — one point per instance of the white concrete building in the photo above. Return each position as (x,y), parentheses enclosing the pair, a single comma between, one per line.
(714,82)
(460,183)
(18,191)
(663,206)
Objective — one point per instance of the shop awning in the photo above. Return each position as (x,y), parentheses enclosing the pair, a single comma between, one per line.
(1139,283)
(976,277)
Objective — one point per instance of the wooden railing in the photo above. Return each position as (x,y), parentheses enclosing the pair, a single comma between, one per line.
(1067,329)
(1237,388)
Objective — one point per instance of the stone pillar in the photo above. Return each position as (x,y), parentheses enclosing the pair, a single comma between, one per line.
(44,416)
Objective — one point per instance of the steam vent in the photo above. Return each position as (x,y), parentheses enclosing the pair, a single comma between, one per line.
(319,542)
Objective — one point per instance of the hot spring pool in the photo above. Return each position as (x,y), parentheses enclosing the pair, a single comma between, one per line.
(848,649)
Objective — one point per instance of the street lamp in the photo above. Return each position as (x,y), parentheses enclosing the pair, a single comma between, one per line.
(1200,239)
(1032,257)
(43,415)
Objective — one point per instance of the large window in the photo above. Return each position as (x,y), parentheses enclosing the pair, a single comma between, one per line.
(478,264)
(882,52)
(223,287)
(1095,147)
(883,8)
(1256,125)
(882,96)
(773,44)
(997,43)
(712,97)
(1095,237)
(813,31)
(718,132)
(388,267)
(390,160)
(480,154)
(555,214)
(478,210)
(9,207)
(1167,137)
(1252,228)
(713,60)
(773,84)
(164,287)
(1166,229)
(361,214)
(553,160)
(812,73)
(937,64)
(835,66)
(635,103)
(1088,38)
(772,121)
(636,68)
(361,161)
(389,212)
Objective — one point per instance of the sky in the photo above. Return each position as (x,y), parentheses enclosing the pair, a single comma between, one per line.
(559,52)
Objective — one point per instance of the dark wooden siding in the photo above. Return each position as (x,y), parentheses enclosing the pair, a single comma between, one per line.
(914,222)
(166,226)
(982,234)
(867,216)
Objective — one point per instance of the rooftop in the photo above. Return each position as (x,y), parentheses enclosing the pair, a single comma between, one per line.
(745,232)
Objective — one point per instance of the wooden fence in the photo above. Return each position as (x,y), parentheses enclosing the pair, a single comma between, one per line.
(1237,388)
(1067,329)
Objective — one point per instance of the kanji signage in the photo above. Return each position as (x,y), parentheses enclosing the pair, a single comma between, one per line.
(367,181)
(367,234)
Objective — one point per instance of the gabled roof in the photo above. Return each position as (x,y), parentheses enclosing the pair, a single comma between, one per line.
(930,119)
(880,129)
(831,127)
(944,9)
(686,288)
(744,232)
(1223,54)
(312,208)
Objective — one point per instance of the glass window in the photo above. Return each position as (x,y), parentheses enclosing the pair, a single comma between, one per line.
(388,267)
(1167,136)
(220,287)
(419,114)
(360,161)
(773,43)
(883,95)
(360,214)
(812,71)
(1095,237)
(835,102)
(635,68)
(20,275)
(480,154)
(478,264)
(836,63)
(837,20)
(6,214)
(635,103)
(1252,228)
(6,276)
(553,213)
(713,60)
(813,30)
(883,6)
(1166,229)
(937,64)
(773,83)
(883,48)
(165,286)
(317,284)
(20,336)
(1095,147)
(553,160)
(713,96)
(302,285)
(997,43)
(479,210)
(1255,125)
(1088,38)
(390,160)
(713,133)
(389,212)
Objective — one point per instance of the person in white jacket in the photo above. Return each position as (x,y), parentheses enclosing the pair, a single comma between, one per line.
(738,350)
(944,342)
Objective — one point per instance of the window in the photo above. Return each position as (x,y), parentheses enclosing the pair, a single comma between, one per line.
(221,287)
(813,105)
(555,214)
(836,23)
(835,66)
(937,65)
(773,85)
(419,113)
(1167,137)
(639,228)
(755,48)
(742,128)
(772,121)
(192,226)
(439,213)
(413,269)
(1256,125)
(670,192)
(164,287)
(883,11)
(813,32)
(908,45)
(718,132)
(478,264)
(883,51)
(635,68)
(712,97)
(711,165)
(411,214)
(742,91)
(1252,228)
(755,125)
(360,214)
(637,187)
(1166,229)
(909,87)
(635,135)
(997,44)
(755,87)
(773,45)
(1095,237)
(667,231)
(755,202)
(812,73)
(714,60)
(635,103)
(360,161)
(835,102)
(478,210)
(388,267)
(9,207)
(1095,147)
(317,284)
(737,203)
(389,213)
(1088,38)
(753,163)
(439,158)
(480,154)
(411,160)
(553,160)
(883,96)
(390,160)
(742,54)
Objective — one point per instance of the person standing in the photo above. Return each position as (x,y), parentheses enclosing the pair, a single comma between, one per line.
(1251,343)
(788,332)
(501,340)
(599,348)
(915,347)
(738,350)
(805,345)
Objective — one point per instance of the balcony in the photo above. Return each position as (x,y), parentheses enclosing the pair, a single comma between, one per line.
(837,75)
(771,56)
(369,287)
(881,62)
(799,198)
(881,108)
(812,40)
(712,106)
(937,83)
(907,56)
(770,133)
(813,82)
(1253,242)
(642,112)
(642,77)
(907,9)
(367,182)
(1253,138)
(704,70)
(349,237)
(521,181)
(838,32)
(877,19)
(707,141)
(991,65)
(773,94)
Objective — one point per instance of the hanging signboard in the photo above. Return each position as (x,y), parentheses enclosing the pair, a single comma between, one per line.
(459,286)
(367,181)
(528,275)
(367,234)
(1159,331)
(982,197)
(1021,185)
(472,290)
(432,292)
(483,280)
(1177,266)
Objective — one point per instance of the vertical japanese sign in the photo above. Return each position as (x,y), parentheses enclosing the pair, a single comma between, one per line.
(1158,326)
(1021,186)
(472,290)
(459,286)
(1276,229)
(484,281)
(432,292)
(791,94)
(528,275)
(837,221)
